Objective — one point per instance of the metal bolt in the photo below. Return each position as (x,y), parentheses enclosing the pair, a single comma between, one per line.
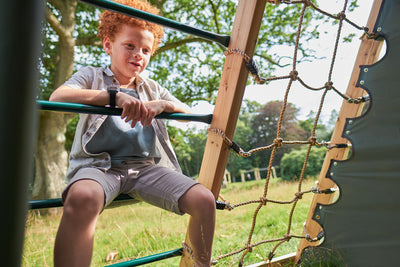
(362,82)
(335,163)
(379,29)
(331,174)
(347,132)
(350,121)
(365,69)
(317,217)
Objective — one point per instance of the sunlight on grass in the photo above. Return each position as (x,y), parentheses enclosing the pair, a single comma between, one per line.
(140,230)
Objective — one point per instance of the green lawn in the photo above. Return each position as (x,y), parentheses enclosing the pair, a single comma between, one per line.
(140,230)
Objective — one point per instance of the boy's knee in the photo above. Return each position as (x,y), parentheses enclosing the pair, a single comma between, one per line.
(199,200)
(208,198)
(85,199)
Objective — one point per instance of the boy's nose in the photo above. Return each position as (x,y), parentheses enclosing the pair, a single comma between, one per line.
(136,53)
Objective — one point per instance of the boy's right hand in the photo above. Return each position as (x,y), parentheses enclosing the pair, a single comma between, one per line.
(132,109)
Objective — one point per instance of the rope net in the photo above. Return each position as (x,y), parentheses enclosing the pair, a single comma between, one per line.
(292,76)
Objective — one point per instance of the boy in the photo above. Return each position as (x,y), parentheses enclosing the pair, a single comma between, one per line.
(113,155)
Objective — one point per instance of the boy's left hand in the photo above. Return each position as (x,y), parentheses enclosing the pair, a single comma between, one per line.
(156,107)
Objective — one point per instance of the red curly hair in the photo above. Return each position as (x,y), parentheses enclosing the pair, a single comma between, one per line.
(111,22)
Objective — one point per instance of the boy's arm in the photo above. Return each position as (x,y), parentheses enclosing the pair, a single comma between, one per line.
(65,93)
(133,109)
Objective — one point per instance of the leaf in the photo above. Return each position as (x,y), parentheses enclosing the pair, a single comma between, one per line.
(112,255)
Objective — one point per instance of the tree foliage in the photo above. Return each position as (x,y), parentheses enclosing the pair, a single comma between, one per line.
(189,148)
(188,65)
(292,163)
(265,128)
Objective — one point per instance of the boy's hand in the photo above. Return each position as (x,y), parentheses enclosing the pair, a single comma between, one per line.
(156,107)
(133,109)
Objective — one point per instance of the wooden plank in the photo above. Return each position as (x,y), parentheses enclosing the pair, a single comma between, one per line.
(230,94)
(231,89)
(368,54)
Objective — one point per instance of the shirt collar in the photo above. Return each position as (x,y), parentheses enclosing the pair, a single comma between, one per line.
(108,72)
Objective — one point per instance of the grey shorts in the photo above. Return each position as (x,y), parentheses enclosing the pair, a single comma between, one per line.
(156,185)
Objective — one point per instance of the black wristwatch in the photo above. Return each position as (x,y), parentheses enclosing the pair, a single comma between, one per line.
(112,92)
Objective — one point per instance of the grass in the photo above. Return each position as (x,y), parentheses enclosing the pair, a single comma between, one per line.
(140,230)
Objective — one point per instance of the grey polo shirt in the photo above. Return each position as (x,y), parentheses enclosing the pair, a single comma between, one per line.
(100,79)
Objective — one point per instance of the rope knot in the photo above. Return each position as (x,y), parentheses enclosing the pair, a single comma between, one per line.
(278,142)
(312,140)
(263,200)
(307,3)
(299,195)
(341,15)
(329,85)
(294,75)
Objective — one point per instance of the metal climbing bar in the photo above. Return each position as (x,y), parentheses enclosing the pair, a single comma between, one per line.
(149,259)
(81,108)
(129,11)
(57,202)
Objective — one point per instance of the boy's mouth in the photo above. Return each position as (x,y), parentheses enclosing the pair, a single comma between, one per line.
(135,64)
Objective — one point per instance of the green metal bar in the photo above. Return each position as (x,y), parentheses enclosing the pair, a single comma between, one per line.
(81,108)
(126,10)
(149,259)
(57,202)
(45,203)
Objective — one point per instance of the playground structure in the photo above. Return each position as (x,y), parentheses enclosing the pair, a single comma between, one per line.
(233,81)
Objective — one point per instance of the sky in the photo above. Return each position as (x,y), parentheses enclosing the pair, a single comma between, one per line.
(314,73)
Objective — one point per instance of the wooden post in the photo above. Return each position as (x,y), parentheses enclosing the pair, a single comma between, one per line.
(244,36)
(257,175)
(368,54)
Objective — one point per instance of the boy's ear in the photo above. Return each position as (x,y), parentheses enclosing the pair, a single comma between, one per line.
(107,46)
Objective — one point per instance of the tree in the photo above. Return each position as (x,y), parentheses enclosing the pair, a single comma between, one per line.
(189,148)
(265,127)
(292,163)
(322,133)
(243,135)
(190,67)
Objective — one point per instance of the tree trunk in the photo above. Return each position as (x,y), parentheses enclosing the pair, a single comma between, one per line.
(51,158)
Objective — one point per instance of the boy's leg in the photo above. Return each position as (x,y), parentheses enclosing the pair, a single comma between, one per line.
(199,202)
(74,240)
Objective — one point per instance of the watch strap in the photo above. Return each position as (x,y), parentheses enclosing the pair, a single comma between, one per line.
(113,93)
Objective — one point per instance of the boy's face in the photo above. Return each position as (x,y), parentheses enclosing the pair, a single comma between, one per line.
(130,52)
